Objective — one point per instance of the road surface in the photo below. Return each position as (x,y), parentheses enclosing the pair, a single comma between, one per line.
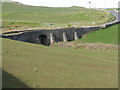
(116,14)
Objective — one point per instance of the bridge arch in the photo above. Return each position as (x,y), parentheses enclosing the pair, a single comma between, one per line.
(43,40)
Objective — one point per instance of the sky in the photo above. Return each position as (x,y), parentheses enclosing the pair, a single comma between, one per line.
(68,3)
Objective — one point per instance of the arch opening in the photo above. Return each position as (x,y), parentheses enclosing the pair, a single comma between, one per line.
(43,39)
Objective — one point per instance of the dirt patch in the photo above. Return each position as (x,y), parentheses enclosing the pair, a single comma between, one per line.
(86,46)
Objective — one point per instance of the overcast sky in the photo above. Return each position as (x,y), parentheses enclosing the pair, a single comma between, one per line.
(68,3)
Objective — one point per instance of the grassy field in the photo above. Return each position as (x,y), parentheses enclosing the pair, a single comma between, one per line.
(107,36)
(32,65)
(36,66)
(18,16)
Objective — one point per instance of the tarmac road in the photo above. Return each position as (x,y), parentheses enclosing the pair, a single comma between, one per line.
(116,14)
(117,19)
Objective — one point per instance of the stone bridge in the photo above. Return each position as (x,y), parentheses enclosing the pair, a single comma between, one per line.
(47,37)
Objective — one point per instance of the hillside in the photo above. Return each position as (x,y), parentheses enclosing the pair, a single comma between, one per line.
(107,36)
(18,16)
(32,65)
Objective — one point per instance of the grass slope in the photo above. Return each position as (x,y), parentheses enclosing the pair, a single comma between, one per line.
(107,36)
(16,15)
(39,66)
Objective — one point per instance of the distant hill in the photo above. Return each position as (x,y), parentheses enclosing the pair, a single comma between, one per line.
(17,15)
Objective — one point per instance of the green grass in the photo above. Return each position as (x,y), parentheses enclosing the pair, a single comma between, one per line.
(16,15)
(107,36)
(32,65)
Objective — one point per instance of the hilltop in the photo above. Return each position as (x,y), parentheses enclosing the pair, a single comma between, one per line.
(19,16)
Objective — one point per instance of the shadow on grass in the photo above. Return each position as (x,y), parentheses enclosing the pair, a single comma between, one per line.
(9,81)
